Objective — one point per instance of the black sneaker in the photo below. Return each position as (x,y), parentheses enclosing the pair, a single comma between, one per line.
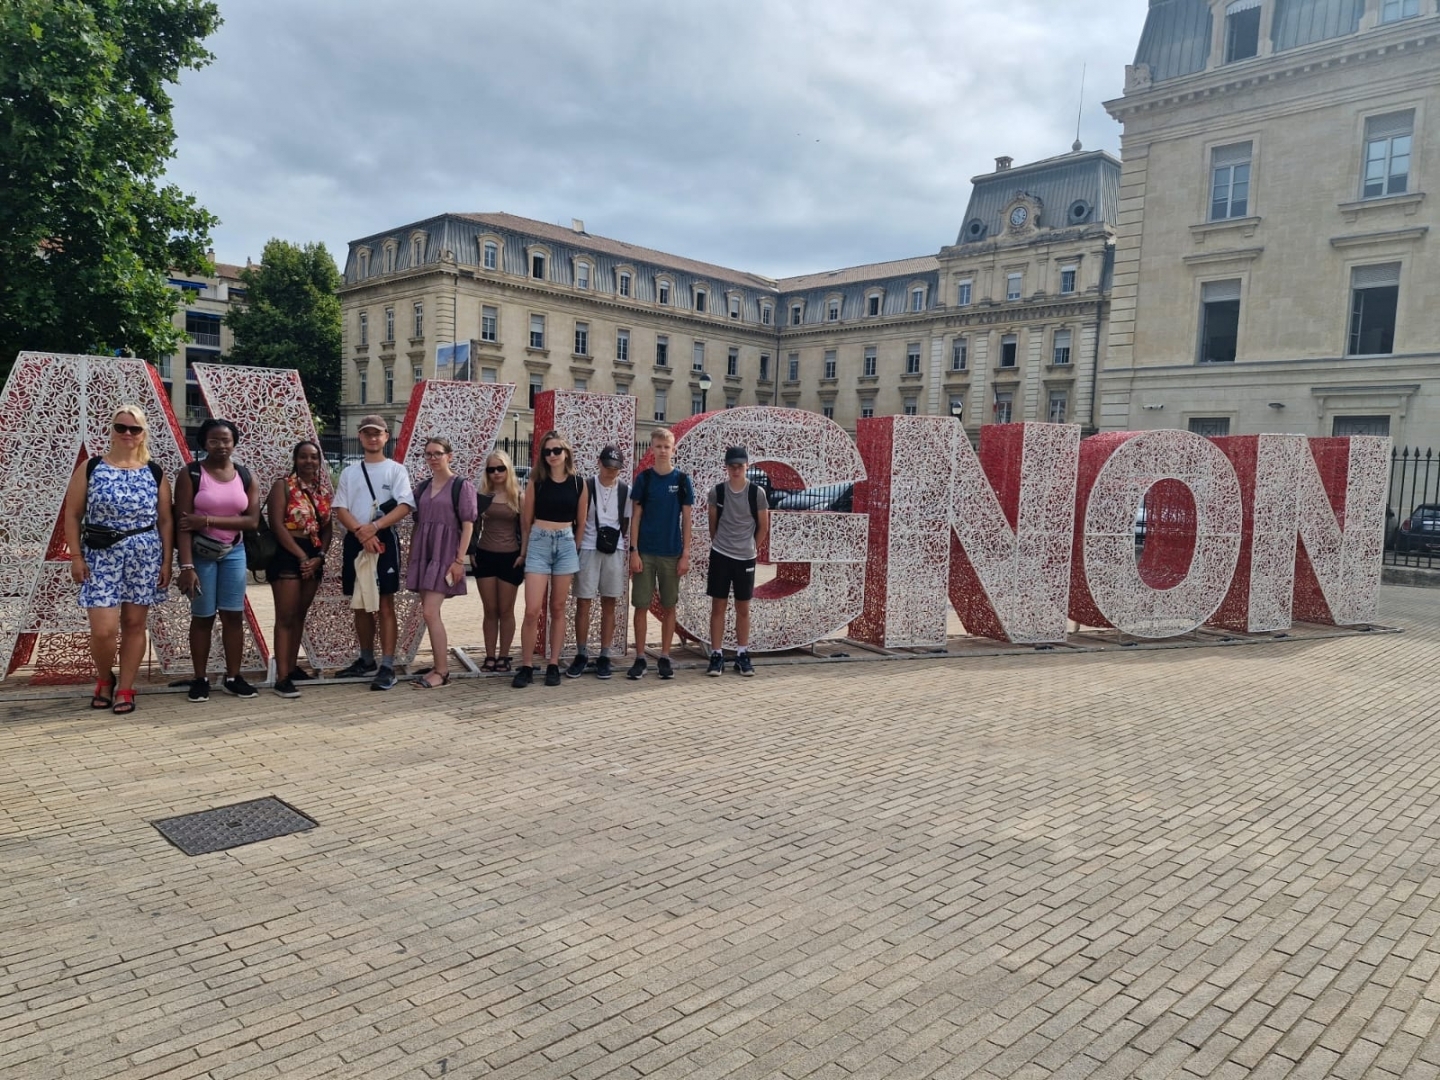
(637,669)
(552,675)
(576,668)
(358,670)
(237,687)
(602,668)
(524,676)
(286,688)
(717,665)
(743,665)
(384,678)
(663,668)
(299,675)
(199,690)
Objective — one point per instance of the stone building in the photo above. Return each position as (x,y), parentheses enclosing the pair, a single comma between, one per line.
(1006,324)
(1273,266)
(202,316)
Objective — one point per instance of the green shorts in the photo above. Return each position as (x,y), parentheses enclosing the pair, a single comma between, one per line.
(661,570)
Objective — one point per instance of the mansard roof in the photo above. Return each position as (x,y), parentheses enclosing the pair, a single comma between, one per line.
(1078,188)
(827,279)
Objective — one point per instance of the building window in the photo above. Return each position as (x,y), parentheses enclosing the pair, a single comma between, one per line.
(622,388)
(362,259)
(1387,154)
(828,411)
(872,305)
(1229,181)
(537,267)
(1059,405)
(912,358)
(960,354)
(697,357)
(697,404)
(582,339)
(364,388)
(1360,425)
(793,364)
(964,293)
(1219,321)
(829,363)
(537,331)
(660,403)
(364,328)
(489,324)
(832,311)
(917,299)
(1004,407)
(1374,296)
(662,350)
(732,362)
(622,346)
(662,292)
(1391,10)
(582,384)
(1067,280)
(389,258)
(490,258)
(957,406)
(699,299)
(389,324)
(766,314)
(1212,427)
(489,374)
(624,284)
(1242,30)
(582,275)
(389,386)
(765,366)
(731,402)
(537,386)
(796,311)
(1060,354)
(1014,283)
(1008,346)
(417,375)
(417,252)
(911,406)
(867,408)
(734,307)
(871,362)
(419,319)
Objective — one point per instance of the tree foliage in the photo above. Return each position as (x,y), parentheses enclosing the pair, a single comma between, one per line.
(87,229)
(291,319)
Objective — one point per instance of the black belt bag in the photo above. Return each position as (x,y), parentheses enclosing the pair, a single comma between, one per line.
(98,537)
(607,539)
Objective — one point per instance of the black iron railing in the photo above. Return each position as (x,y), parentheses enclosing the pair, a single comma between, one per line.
(1412,513)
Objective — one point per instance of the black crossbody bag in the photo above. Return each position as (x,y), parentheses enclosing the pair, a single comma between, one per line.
(387,505)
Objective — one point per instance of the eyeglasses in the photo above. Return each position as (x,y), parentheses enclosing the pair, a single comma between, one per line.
(436,453)
(553,451)
(128,429)
(495,469)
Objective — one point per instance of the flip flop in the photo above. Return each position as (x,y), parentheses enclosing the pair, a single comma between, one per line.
(104,693)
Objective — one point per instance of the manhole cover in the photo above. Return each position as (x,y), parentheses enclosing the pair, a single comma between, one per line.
(233,826)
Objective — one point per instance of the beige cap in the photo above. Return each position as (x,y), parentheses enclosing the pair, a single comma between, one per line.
(374,420)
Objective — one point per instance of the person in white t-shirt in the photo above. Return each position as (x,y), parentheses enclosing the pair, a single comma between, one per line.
(372,496)
(603,573)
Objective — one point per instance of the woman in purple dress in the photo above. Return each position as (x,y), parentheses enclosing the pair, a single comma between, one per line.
(445,513)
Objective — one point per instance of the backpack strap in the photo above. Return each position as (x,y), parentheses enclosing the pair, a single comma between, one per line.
(720,496)
(455,497)
(620,504)
(755,505)
(419,494)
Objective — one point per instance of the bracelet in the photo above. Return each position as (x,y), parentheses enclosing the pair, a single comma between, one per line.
(187,566)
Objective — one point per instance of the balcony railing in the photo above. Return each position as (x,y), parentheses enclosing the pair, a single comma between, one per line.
(202,337)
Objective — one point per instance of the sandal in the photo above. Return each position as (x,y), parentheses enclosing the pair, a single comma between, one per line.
(503,664)
(490,666)
(124,702)
(104,693)
(423,682)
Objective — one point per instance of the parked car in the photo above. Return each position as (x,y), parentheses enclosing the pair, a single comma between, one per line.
(839,497)
(1421,530)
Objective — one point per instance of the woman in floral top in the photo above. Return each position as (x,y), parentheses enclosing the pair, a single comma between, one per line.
(298,510)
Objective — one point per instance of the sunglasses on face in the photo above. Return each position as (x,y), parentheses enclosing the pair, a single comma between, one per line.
(128,429)
(553,451)
(495,468)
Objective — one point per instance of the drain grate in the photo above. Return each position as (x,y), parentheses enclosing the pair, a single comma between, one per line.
(233,826)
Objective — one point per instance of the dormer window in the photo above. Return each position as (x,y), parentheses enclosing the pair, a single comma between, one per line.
(537,266)
(917,298)
(389,258)
(490,255)
(662,291)
(623,283)
(362,262)
(1242,30)
(872,304)
(417,249)
(700,298)
(797,313)
(832,309)
(767,315)
(734,306)
(1393,10)
(582,275)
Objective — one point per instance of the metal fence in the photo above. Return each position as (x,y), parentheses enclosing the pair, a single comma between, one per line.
(1412,512)
(342,450)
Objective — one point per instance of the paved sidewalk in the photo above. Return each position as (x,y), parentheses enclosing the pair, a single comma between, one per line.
(1182,863)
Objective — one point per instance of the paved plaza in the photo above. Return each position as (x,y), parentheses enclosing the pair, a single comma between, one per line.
(1208,862)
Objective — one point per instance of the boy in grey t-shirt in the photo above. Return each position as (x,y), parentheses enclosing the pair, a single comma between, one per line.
(739,525)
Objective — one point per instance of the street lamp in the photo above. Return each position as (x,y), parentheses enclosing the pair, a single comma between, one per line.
(956,408)
(704,390)
(515,443)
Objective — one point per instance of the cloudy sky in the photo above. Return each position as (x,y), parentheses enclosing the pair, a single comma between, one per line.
(779,137)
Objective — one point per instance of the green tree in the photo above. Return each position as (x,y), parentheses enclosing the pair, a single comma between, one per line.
(291,319)
(87,229)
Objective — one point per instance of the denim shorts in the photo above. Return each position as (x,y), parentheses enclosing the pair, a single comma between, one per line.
(222,584)
(551,551)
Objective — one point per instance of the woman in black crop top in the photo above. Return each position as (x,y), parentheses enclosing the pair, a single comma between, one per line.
(551,517)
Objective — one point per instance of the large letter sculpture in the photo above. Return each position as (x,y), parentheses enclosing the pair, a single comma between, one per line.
(1192,532)
(1006,568)
(785,613)
(469,415)
(1342,495)
(589,422)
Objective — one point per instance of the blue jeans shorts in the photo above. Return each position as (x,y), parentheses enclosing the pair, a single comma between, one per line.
(551,551)
(222,584)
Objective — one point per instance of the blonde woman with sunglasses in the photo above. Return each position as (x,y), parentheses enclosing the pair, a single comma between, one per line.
(499,560)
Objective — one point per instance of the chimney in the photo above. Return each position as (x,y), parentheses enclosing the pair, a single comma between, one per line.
(1002,163)
(577,225)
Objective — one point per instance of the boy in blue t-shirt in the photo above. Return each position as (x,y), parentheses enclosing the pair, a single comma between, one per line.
(661,502)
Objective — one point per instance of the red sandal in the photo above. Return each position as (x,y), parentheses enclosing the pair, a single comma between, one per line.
(124,702)
(104,692)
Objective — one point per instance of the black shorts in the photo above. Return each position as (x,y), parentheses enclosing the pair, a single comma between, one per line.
(285,565)
(499,564)
(388,567)
(726,573)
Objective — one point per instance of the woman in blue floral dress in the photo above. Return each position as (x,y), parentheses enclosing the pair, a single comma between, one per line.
(118,528)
